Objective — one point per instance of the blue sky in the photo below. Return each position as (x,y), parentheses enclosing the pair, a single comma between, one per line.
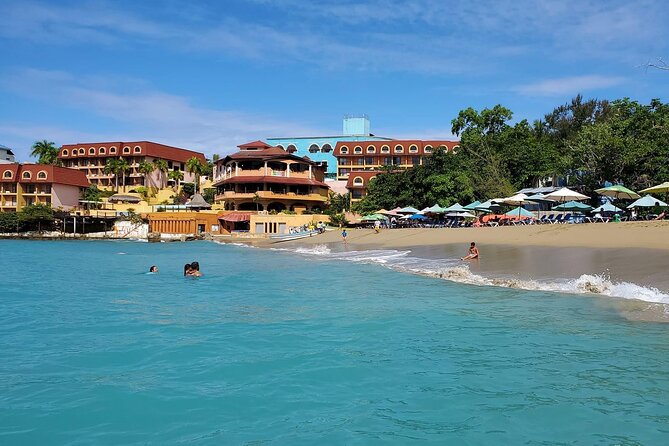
(209,75)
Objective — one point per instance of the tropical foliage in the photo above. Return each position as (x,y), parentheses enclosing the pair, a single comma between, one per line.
(46,152)
(30,218)
(584,142)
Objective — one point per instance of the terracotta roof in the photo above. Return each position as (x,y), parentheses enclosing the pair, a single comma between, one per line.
(50,174)
(254,144)
(235,216)
(272,180)
(365,175)
(146,148)
(270,153)
(405,143)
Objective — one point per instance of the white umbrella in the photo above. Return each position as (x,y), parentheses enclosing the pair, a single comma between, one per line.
(564,195)
(515,200)
(461,214)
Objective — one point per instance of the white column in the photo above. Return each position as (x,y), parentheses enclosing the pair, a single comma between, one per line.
(265,168)
(310,171)
(236,168)
(288,170)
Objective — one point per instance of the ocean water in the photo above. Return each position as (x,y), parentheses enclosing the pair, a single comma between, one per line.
(286,348)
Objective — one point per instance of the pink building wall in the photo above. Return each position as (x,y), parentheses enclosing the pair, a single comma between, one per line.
(64,196)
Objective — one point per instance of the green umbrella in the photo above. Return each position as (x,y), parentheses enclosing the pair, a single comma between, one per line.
(472,206)
(373,217)
(618,192)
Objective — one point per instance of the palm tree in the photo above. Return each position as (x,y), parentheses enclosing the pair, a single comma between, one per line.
(122,167)
(177,176)
(111,166)
(46,151)
(145,168)
(194,165)
(161,165)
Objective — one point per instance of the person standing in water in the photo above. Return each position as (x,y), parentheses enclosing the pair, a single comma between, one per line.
(344,235)
(473,252)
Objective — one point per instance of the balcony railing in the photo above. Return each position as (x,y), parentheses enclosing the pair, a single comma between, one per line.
(266,194)
(261,173)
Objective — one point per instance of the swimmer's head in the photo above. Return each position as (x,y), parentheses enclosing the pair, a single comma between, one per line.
(153,269)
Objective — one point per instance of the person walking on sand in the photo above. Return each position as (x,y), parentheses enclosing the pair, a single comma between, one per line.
(343,235)
(473,252)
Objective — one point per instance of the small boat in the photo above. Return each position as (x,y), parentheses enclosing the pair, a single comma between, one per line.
(294,236)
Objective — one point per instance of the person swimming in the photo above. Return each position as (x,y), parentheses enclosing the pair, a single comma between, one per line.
(195,270)
(153,269)
(187,270)
(473,252)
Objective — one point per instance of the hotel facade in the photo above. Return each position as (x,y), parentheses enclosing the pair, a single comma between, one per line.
(91,159)
(27,184)
(260,177)
(360,161)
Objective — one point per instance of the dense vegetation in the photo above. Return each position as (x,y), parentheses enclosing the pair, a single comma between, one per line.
(585,142)
(31,218)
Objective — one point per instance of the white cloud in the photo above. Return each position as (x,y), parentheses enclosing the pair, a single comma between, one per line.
(568,85)
(140,114)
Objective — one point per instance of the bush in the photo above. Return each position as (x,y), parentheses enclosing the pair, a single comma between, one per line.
(338,219)
(9,222)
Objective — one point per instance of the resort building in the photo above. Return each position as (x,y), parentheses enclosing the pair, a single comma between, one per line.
(357,183)
(91,158)
(264,178)
(6,155)
(321,148)
(26,184)
(372,155)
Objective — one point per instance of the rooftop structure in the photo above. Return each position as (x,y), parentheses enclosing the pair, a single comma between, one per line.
(6,155)
(26,184)
(263,178)
(91,158)
(320,148)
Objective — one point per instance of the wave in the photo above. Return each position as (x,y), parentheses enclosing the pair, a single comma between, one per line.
(455,271)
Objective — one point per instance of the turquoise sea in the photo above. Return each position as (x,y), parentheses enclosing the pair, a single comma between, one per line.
(282,348)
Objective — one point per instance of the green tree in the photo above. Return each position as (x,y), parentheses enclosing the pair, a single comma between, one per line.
(195,166)
(177,176)
(111,167)
(146,168)
(122,167)
(36,216)
(46,152)
(162,167)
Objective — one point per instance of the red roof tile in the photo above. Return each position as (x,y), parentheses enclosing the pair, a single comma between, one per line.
(255,144)
(366,175)
(146,148)
(51,175)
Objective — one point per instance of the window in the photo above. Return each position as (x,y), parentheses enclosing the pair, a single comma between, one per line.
(399,149)
(357,181)
(327,148)
(413,148)
(314,148)
(385,149)
(7,174)
(26,175)
(360,161)
(356,193)
(291,148)
(357,149)
(65,152)
(344,149)
(386,161)
(371,149)
(112,150)
(455,149)
(91,151)
(369,160)
(126,149)
(415,160)
(41,175)
(102,151)
(82,151)
(138,149)
(397,160)
(428,149)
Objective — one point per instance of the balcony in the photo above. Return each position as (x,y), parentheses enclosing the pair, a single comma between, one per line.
(261,173)
(269,195)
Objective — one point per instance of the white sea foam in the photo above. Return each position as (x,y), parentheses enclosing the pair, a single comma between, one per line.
(454,270)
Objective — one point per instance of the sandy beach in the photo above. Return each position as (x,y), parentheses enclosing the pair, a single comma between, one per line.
(633,253)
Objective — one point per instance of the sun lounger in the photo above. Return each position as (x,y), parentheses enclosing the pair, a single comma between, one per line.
(549,219)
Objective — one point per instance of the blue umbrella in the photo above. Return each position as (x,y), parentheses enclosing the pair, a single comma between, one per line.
(647,202)
(572,206)
(519,212)
(607,207)
(417,217)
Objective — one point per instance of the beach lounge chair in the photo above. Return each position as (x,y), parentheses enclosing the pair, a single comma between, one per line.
(550,219)
(558,219)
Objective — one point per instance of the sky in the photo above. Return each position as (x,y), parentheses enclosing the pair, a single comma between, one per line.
(209,75)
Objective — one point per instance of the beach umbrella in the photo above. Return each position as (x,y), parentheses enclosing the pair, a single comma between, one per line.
(407,210)
(373,217)
(388,213)
(417,217)
(618,192)
(436,209)
(573,206)
(563,195)
(539,198)
(472,206)
(457,207)
(381,211)
(461,214)
(514,200)
(489,206)
(519,212)
(647,202)
(664,187)
(607,207)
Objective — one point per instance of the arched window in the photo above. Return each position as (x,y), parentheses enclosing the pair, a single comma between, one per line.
(385,149)
(428,149)
(112,150)
(357,181)
(91,151)
(102,151)
(26,175)
(344,149)
(41,175)
(371,149)
(82,151)
(138,149)
(357,149)
(7,174)
(291,148)
(413,148)
(280,146)
(314,148)
(65,152)
(126,149)
(455,149)
(399,149)
(327,148)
